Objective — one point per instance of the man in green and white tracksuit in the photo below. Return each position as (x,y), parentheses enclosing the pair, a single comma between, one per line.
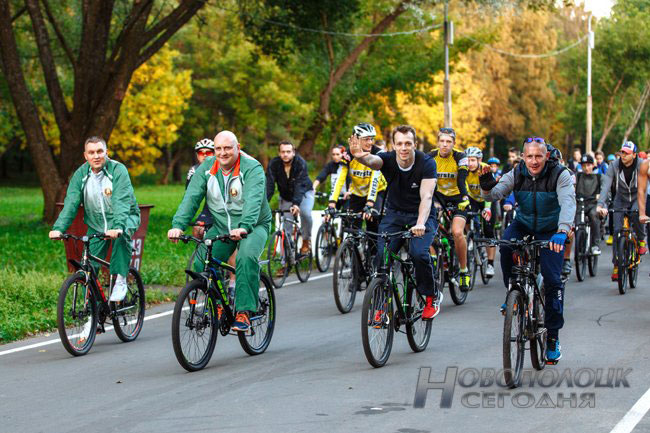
(234,186)
(104,188)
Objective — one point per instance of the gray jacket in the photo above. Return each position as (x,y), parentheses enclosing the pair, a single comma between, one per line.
(565,190)
(624,192)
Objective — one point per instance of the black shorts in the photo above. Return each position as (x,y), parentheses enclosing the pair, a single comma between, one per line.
(488,226)
(452,200)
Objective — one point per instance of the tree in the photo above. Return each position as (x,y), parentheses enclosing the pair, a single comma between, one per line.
(99,44)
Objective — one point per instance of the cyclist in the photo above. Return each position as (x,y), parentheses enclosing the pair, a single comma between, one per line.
(289,170)
(333,169)
(643,191)
(588,187)
(451,165)
(478,204)
(203,149)
(601,165)
(494,163)
(233,185)
(411,176)
(367,186)
(625,174)
(546,198)
(104,188)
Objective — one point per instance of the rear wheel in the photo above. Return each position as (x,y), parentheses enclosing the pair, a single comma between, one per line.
(258,338)
(77,315)
(277,255)
(513,339)
(194,326)
(418,331)
(580,254)
(377,322)
(622,259)
(346,278)
(129,314)
(472,260)
(303,260)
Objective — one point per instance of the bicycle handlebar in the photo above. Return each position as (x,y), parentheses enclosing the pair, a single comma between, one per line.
(404,234)
(221,238)
(512,242)
(84,238)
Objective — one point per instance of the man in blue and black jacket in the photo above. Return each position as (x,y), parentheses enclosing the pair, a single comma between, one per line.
(545,194)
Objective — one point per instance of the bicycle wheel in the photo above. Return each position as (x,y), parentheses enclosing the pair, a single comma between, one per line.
(345,281)
(593,265)
(580,254)
(278,259)
(303,261)
(418,331)
(377,322)
(190,265)
(622,258)
(458,296)
(472,263)
(325,247)
(194,326)
(482,254)
(257,340)
(513,338)
(633,267)
(76,315)
(129,314)
(538,340)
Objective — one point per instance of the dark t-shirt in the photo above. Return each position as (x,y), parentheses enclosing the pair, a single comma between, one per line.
(404,186)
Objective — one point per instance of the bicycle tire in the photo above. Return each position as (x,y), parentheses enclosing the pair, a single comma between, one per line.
(345,278)
(257,340)
(538,340)
(593,265)
(472,264)
(135,296)
(580,254)
(377,304)
(633,267)
(512,368)
(418,331)
(204,321)
(303,261)
(323,254)
(277,257)
(80,344)
(482,252)
(622,258)
(458,296)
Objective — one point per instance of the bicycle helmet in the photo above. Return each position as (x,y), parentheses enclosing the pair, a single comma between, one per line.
(363,130)
(494,160)
(610,157)
(473,152)
(206,143)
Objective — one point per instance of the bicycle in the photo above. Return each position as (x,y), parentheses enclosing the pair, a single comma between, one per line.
(524,313)
(83,306)
(204,309)
(448,265)
(582,250)
(284,252)
(627,253)
(327,239)
(477,258)
(353,265)
(393,285)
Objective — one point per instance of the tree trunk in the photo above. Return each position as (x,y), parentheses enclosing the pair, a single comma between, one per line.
(491,145)
(609,121)
(639,109)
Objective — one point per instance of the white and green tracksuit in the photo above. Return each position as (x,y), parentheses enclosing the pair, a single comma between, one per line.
(109,204)
(235,201)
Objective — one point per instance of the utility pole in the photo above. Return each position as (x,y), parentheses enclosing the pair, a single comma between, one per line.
(449,40)
(590,46)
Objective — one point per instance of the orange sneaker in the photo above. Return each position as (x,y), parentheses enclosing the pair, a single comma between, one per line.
(242,323)
(432,308)
(615,274)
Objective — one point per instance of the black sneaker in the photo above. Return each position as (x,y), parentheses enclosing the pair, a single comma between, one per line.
(465,282)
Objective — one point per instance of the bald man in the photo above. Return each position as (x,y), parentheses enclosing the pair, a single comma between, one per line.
(234,187)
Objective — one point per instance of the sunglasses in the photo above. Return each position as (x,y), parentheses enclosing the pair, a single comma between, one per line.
(535,139)
(205,152)
(449,131)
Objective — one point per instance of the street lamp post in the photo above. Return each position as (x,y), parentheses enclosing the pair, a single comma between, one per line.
(449,39)
(590,46)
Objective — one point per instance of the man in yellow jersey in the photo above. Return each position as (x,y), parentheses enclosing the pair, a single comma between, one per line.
(367,186)
(475,167)
(452,189)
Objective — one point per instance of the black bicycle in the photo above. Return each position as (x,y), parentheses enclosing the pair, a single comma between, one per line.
(626,253)
(524,313)
(83,306)
(477,257)
(448,269)
(284,251)
(205,308)
(327,239)
(391,301)
(583,256)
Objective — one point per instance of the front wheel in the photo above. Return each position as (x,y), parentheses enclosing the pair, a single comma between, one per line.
(303,260)
(458,296)
(194,326)
(633,266)
(77,315)
(129,314)
(472,260)
(418,331)
(513,339)
(346,278)
(538,340)
(377,322)
(258,338)
(277,255)
(623,263)
(325,247)
(580,254)
(593,265)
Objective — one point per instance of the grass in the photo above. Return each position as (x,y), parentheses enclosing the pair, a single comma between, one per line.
(34,267)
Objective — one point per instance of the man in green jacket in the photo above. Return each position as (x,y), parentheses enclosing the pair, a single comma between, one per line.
(104,188)
(234,186)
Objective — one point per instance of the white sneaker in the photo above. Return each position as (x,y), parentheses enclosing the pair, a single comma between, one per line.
(489,270)
(119,289)
(595,250)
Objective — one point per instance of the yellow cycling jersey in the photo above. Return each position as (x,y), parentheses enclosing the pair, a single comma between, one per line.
(364,181)
(448,169)
(473,185)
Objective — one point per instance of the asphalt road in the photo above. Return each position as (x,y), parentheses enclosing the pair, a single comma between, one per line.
(314,376)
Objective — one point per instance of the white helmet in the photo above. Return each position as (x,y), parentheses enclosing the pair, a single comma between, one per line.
(473,152)
(206,143)
(365,130)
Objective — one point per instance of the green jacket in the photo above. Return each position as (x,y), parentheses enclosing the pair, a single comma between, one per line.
(245,205)
(117,207)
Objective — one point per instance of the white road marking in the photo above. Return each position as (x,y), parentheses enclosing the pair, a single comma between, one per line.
(634,415)
(153,316)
